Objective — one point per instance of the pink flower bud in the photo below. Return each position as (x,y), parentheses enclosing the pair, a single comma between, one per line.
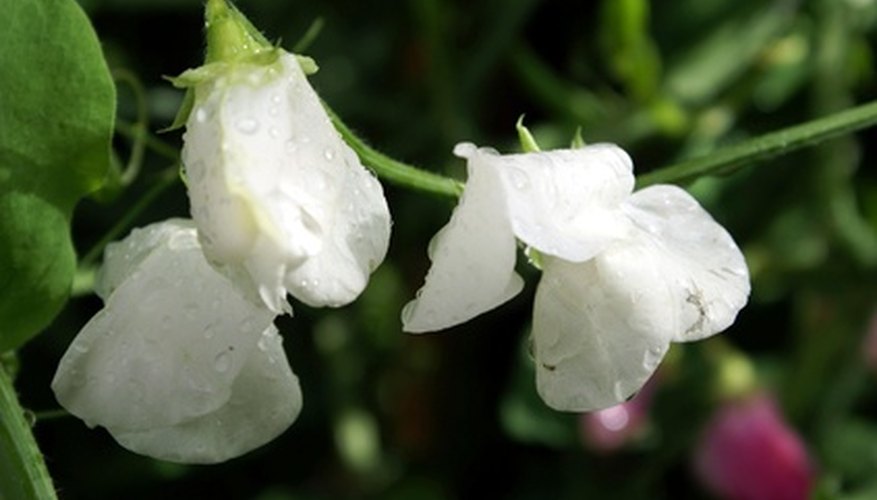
(749,452)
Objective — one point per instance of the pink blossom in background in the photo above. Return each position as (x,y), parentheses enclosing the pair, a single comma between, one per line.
(612,428)
(749,452)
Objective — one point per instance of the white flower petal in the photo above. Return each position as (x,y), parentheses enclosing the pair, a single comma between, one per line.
(168,345)
(473,259)
(123,257)
(354,247)
(272,185)
(601,327)
(565,202)
(265,400)
(685,258)
(595,344)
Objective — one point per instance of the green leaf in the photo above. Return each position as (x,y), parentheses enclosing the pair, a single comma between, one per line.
(56,122)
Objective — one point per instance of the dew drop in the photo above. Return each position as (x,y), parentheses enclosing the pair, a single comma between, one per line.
(222,362)
(76,379)
(652,357)
(247,126)
(200,115)
(273,132)
(328,154)
(322,181)
(618,391)
(519,179)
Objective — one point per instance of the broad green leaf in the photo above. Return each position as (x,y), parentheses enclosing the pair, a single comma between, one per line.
(57,104)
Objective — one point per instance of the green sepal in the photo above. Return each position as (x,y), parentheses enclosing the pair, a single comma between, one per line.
(577,141)
(213,70)
(308,65)
(533,257)
(230,35)
(528,142)
(183,113)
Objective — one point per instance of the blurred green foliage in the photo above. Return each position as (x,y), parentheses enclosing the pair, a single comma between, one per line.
(455,415)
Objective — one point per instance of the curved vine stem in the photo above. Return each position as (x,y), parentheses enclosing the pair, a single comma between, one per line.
(731,158)
(23,473)
(166,179)
(140,128)
(395,171)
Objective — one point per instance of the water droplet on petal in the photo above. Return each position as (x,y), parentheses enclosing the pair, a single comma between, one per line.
(329,154)
(247,126)
(222,362)
(200,115)
(652,357)
(519,179)
(618,390)
(273,132)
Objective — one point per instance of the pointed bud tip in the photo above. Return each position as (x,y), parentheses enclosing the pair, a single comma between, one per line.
(230,35)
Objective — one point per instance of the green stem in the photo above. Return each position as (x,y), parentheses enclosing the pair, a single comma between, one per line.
(165,181)
(134,132)
(23,473)
(138,146)
(395,171)
(767,146)
(44,415)
(308,38)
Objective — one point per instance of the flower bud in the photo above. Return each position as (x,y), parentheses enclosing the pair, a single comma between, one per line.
(749,452)
(282,204)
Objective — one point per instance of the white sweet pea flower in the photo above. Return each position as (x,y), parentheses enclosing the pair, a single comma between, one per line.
(623,275)
(282,204)
(178,365)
